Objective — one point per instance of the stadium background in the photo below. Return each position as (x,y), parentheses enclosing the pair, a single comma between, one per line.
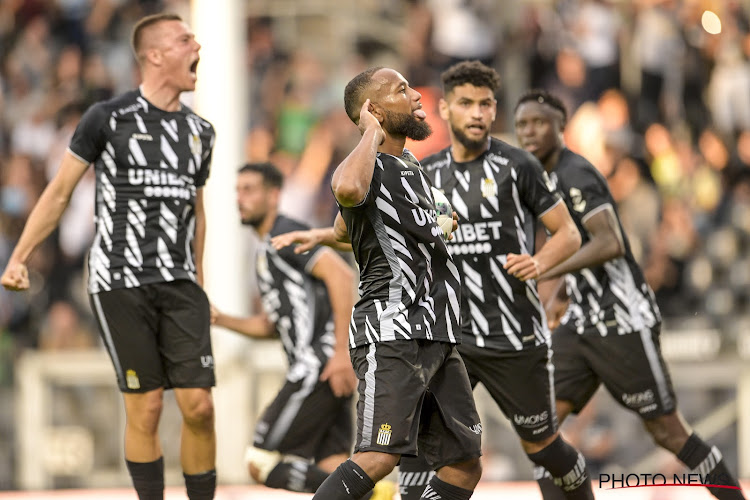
(659,97)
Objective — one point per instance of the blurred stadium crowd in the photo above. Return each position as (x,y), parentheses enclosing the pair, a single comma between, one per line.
(658,98)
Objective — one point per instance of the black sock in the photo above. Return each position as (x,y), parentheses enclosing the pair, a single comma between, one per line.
(413,475)
(567,467)
(440,490)
(550,491)
(148,478)
(200,486)
(296,475)
(707,461)
(347,482)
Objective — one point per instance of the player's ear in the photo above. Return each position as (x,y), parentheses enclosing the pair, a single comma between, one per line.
(377,111)
(153,55)
(275,196)
(443,108)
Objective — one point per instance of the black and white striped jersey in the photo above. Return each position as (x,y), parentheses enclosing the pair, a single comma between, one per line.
(409,287)
(148,165)
(295,302)
(614,297)
(498,197)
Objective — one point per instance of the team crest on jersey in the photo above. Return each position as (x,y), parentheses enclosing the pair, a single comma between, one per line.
(196,147)
(131,379)
(489,187)
(384,435)
(551,179)
(576,197)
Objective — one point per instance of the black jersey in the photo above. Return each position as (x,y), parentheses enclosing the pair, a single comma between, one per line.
(409,287)
(295,301)
(148,164)
(498,197)
(613,297)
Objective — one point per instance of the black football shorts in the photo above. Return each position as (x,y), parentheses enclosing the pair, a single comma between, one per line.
(415,397)
(520,382)
(630,366)
(307,420)
(157,335)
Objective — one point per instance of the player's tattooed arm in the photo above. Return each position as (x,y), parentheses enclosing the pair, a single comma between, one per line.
(335,237)
(605,243)
(351,179)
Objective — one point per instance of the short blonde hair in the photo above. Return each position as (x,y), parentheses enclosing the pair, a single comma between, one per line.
(144,23)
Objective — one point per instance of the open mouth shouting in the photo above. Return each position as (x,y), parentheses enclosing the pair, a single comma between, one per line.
(194,69)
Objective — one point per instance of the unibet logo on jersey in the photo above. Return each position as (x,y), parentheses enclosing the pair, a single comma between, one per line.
(384,435)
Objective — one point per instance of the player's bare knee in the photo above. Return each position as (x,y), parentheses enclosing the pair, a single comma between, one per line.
(260,463)
(200,413)
(376,464)
(530,447)
(143,411)
(386,462)
(667,432)
(465,474)
(329,464)
(473,469)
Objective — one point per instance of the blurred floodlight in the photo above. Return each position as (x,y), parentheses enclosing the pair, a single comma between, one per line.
(711,22)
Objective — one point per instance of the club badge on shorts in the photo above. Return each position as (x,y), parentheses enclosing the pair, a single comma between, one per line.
(131,379)
(384,435)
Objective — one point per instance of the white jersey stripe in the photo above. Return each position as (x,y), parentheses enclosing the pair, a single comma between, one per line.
(368,413)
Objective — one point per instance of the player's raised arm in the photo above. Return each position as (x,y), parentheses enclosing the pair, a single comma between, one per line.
(605,243)
(351,179)
(43,219)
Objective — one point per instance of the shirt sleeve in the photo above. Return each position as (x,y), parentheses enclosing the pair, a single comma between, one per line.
(585,190)
(535,188)
(90,137)
(303,262)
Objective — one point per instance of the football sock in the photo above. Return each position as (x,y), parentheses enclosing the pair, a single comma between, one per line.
(550,491)
(347,482)
(148,478)
(200,486)
(707,461)
(567,468)
(413,475)
(440,490)
(297,475)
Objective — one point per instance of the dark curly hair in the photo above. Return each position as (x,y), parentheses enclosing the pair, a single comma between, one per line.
(543,97)
(473,72)
(272,176)
(354,92)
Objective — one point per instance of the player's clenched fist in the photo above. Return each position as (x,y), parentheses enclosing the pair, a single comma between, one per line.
(15,277)
(523,266)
